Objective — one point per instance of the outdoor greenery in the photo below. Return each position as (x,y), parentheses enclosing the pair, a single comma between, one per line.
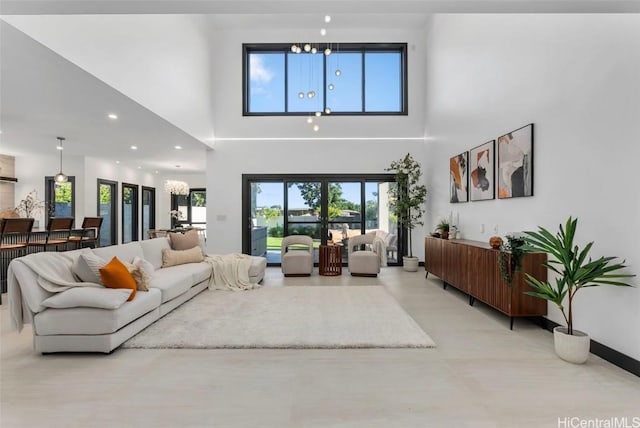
(574,271)
(198,199)
(407,199)
(105,195)
(63,193)
(310,193)
(510,258)
(276,231)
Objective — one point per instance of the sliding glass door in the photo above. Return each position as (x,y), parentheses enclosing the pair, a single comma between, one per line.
(327,208)
(148,210)
(59,198)
(108,210)
(129,212)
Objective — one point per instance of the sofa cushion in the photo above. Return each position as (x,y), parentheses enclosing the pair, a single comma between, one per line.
(125,252)
(200,272)
(140,276)
(87,267)
(146,265)
(180,257)
(258,265)
(184,241)
(88,297)
(174,281)
(93,320)
(152,250)
(116,275)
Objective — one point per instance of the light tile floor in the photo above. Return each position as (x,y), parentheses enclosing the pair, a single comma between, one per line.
(480,375)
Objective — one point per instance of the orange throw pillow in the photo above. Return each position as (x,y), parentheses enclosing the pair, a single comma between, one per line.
(116,275)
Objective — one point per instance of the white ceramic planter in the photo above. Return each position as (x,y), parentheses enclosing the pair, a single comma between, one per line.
(410,264)
(572,348)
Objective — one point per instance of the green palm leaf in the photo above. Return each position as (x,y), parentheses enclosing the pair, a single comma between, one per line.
(573,267)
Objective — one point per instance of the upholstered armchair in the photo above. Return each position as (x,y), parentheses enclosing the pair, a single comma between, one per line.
(363,260)
(297,255)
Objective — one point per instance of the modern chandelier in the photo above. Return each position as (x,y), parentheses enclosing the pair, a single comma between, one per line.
(176,187)
(60,176)
(314,48)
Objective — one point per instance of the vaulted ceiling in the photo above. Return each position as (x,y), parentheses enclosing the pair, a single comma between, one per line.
(66,65)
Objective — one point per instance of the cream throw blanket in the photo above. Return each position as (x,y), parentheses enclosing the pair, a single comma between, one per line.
(54,275)
(230,272)
(380,248)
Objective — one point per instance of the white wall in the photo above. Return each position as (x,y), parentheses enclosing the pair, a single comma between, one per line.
(287,144)
(227,163)
(31,170)
(227,95)
(576,78)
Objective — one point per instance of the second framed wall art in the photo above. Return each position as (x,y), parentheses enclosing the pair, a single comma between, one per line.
(482,172)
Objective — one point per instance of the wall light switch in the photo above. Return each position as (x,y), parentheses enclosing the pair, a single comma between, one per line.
(482,228)
(495,229)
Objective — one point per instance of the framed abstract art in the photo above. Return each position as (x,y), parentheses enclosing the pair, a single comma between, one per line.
(482,172)
(458,178)
(515,163)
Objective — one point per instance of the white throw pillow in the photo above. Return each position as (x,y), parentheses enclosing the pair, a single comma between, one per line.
(87,267)
(146,265)
(88,297)
(140,275)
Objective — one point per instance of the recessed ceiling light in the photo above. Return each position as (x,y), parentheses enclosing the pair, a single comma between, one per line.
(177,147)
(139,167)
(112,116)
(327,18)
(118,162)
(156,172)
(134,147)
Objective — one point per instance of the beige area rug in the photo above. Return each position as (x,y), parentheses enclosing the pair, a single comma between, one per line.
(287,317)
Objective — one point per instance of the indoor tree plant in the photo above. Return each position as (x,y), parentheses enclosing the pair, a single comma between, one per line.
(573,272)
(406,199)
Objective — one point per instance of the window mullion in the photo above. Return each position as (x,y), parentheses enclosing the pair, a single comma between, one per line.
(363,110)
(286,82)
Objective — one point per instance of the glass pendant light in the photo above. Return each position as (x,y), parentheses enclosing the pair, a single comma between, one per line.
(60,177)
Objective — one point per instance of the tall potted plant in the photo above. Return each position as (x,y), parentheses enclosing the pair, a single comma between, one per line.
(406,200)
(573,273)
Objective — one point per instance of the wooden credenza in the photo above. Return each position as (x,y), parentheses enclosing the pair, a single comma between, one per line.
(472,267)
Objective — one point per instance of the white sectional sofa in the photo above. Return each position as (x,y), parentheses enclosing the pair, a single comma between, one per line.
(92,329)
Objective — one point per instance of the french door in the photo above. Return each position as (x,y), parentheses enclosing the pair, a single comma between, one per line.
(325,207)
(129,210)
(108,210)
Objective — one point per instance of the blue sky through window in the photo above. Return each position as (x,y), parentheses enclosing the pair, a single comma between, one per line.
(382,92)
(346,95)
(266,75)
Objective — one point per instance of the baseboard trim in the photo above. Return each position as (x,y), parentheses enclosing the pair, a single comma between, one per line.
(616,358)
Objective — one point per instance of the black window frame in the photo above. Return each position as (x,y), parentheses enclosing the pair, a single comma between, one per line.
(113,215)
(401,48)
(174,206)
(49,196)
(135,207)
(152,209)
